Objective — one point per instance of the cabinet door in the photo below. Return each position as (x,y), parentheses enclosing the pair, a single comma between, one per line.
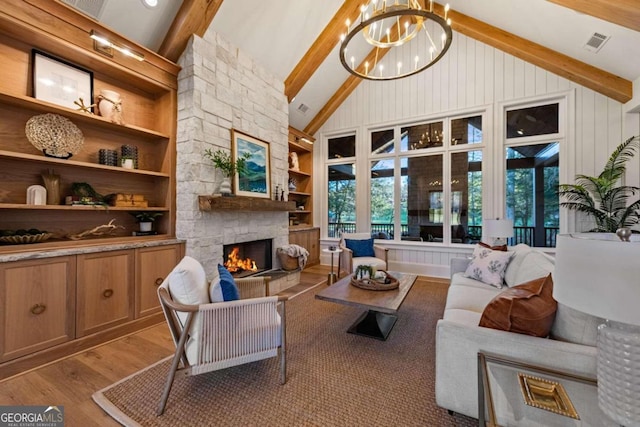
(37,299)
(105,290)
(314,245)
(152,266)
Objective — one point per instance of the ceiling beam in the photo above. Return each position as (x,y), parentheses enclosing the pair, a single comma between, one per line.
(193,17)
(577,71)
(321,47)
(621,12)
(584,74)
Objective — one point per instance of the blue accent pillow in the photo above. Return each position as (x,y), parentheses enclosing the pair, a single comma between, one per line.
(362,247)
(229,287)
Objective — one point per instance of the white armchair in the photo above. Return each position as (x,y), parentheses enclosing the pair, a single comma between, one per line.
(213,336)
(348,262)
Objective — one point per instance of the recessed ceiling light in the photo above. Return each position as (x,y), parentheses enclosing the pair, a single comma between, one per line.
(150,3)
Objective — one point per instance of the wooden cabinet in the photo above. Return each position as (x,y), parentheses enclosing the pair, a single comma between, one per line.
(105,290)
(37,303)
(152,267)
(309,239)
(302,176)
(149,104)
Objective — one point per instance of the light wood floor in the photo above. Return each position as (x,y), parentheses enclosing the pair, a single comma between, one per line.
(70,382)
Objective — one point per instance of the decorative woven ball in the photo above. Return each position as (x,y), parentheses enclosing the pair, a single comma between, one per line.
(55,135)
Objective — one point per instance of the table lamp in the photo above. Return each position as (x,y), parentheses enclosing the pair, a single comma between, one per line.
(498,229)
(598,274)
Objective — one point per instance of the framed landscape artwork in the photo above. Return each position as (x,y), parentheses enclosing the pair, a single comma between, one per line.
(254,180)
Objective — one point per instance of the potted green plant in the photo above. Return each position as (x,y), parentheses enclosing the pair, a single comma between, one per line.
(601,197)
(146,219)
(223,161)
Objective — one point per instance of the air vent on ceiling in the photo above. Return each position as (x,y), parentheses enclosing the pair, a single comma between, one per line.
(92,8)
(595,42)
(303,108)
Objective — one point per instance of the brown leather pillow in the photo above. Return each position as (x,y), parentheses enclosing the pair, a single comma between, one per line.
(502,248)
(525,309)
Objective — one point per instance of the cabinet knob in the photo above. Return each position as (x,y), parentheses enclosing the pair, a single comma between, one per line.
(38,309)
(159,281)
(107,293)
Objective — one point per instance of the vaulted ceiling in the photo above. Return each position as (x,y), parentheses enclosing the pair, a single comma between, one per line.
(297,40)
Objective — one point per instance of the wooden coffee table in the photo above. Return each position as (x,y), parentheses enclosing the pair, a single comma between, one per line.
(381,306)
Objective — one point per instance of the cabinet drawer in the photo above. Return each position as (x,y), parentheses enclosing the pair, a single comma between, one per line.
(152,266)
(105,290)
(38,300)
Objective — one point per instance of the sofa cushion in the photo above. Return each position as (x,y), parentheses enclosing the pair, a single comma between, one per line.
(536,264)
(378,263)
(520,251)
(466,317)
(470,298)
(575,327)
(525,309)
(360,248)
(488,266)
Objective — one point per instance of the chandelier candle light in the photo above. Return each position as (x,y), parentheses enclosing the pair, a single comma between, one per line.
(383,51)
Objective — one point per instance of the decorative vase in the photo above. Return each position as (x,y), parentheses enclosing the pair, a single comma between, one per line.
(110,106)
(146,226)
(225,186)
(52,184)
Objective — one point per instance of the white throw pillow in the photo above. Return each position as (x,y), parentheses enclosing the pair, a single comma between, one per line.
(215,290)
(488,266)
(520,252)
(536,264)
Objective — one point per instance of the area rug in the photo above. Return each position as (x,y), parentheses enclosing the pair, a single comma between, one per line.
(333,378)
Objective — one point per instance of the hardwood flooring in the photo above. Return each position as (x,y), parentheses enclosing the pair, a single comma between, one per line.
(70,382)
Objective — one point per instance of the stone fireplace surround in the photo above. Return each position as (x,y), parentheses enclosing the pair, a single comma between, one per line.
(220,88)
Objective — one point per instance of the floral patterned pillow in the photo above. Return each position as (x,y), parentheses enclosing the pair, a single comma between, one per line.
(488,266)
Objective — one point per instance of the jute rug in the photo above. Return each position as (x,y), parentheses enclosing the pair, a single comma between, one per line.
(334,378)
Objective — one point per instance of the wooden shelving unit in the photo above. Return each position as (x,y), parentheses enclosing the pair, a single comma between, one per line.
(149,111)
(61,295)
(301,229)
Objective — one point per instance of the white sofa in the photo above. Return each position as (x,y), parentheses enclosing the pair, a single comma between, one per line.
(459,338)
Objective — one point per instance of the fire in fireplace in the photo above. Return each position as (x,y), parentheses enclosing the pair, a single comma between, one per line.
(248,258)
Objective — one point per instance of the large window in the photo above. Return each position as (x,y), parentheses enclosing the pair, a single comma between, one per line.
(531,193)
(341,189)
(430,190)
(531,174)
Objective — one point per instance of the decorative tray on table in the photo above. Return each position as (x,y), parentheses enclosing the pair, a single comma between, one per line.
(382,281)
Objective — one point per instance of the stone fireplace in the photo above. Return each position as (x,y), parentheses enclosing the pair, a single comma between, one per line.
(221,88)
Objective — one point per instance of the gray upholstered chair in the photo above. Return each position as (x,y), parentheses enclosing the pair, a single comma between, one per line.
(215,335)
(375,255)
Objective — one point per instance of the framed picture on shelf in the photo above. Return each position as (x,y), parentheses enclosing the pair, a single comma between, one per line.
(255,179)
(60,82)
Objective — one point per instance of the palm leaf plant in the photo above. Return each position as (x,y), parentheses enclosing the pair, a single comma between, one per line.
(601,198)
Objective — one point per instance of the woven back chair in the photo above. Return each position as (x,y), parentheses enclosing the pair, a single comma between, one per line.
(220,335)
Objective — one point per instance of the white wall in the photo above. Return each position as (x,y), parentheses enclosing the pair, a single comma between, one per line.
(220,88)
(473,74)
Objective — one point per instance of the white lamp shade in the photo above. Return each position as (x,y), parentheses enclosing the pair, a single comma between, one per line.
(497,228)
(598,274)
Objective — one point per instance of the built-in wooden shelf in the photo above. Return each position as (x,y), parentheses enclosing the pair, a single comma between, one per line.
(241,203)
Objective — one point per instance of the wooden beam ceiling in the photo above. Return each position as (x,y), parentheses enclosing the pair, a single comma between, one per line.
(621,12)
(579,72)
(193,17)
(321,48)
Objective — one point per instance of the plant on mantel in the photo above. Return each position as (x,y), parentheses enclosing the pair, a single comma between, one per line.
(601,198)
(223,161)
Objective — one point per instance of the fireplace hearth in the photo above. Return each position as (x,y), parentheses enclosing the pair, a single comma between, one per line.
(248,258)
